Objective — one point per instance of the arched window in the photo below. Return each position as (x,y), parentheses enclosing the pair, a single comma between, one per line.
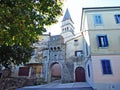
(55,48)
(63,30)
(51,49)
(58,48)
(67,28)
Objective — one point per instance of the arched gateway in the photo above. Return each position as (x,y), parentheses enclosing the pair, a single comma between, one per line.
(80,74)
(55,71)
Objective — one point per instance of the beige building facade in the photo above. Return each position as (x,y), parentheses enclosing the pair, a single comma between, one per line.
(100,27)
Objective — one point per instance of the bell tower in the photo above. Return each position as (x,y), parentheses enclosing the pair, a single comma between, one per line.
(67,26)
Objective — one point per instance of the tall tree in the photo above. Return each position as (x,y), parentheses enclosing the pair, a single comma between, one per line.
(21,22)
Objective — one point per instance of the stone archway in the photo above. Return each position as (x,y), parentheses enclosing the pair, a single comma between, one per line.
(80,74)
(55,71)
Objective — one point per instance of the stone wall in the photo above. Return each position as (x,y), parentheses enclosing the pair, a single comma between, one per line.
(67,72)
(12,83)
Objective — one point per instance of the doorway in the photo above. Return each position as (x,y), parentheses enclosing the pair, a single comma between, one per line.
(80,74)
(55,71)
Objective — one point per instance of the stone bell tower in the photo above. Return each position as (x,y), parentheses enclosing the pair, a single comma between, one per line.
(67,26)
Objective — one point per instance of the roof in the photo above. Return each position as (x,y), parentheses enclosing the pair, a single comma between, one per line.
(34,64)
(101,7)
(67,16)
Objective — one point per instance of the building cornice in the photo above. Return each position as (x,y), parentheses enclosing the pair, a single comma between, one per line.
(94,8)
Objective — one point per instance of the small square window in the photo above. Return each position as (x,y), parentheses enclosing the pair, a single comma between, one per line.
(98,20)
(106,67)
(102,41)
(76,42)
(78,53)
(117,18)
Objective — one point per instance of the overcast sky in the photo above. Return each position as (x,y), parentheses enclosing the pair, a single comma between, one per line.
(75,9)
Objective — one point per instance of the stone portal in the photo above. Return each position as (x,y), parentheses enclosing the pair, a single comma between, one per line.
(55,71)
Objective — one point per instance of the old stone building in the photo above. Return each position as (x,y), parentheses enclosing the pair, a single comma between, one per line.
(58,57)
(65,54)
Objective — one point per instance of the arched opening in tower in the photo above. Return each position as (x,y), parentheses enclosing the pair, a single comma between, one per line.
(55,71)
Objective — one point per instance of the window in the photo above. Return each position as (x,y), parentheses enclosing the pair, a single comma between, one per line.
(58,48)
(98,20)
(117,18)
(102,41)
(23,71)
(78,53)
(67,28)
(106,67)
(51,49)
(76,42)
(63,30)
(88,70)
(86,46)
(0,74)
(55,48)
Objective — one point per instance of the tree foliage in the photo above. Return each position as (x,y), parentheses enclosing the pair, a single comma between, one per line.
(21,22)
(14,54)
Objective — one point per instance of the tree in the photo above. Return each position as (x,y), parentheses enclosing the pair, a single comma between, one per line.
(21,22)
(14,54)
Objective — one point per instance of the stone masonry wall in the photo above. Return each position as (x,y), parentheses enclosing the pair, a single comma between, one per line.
(67,72)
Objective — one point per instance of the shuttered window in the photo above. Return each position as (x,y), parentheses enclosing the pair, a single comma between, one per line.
(102,41)
(98,20)
(117,18)
(106,67)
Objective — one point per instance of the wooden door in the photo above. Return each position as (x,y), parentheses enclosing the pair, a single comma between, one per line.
(80,74)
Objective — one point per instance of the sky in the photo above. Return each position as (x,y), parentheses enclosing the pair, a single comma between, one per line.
(75,9)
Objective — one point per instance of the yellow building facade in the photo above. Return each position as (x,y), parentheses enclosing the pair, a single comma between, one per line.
(100,27)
